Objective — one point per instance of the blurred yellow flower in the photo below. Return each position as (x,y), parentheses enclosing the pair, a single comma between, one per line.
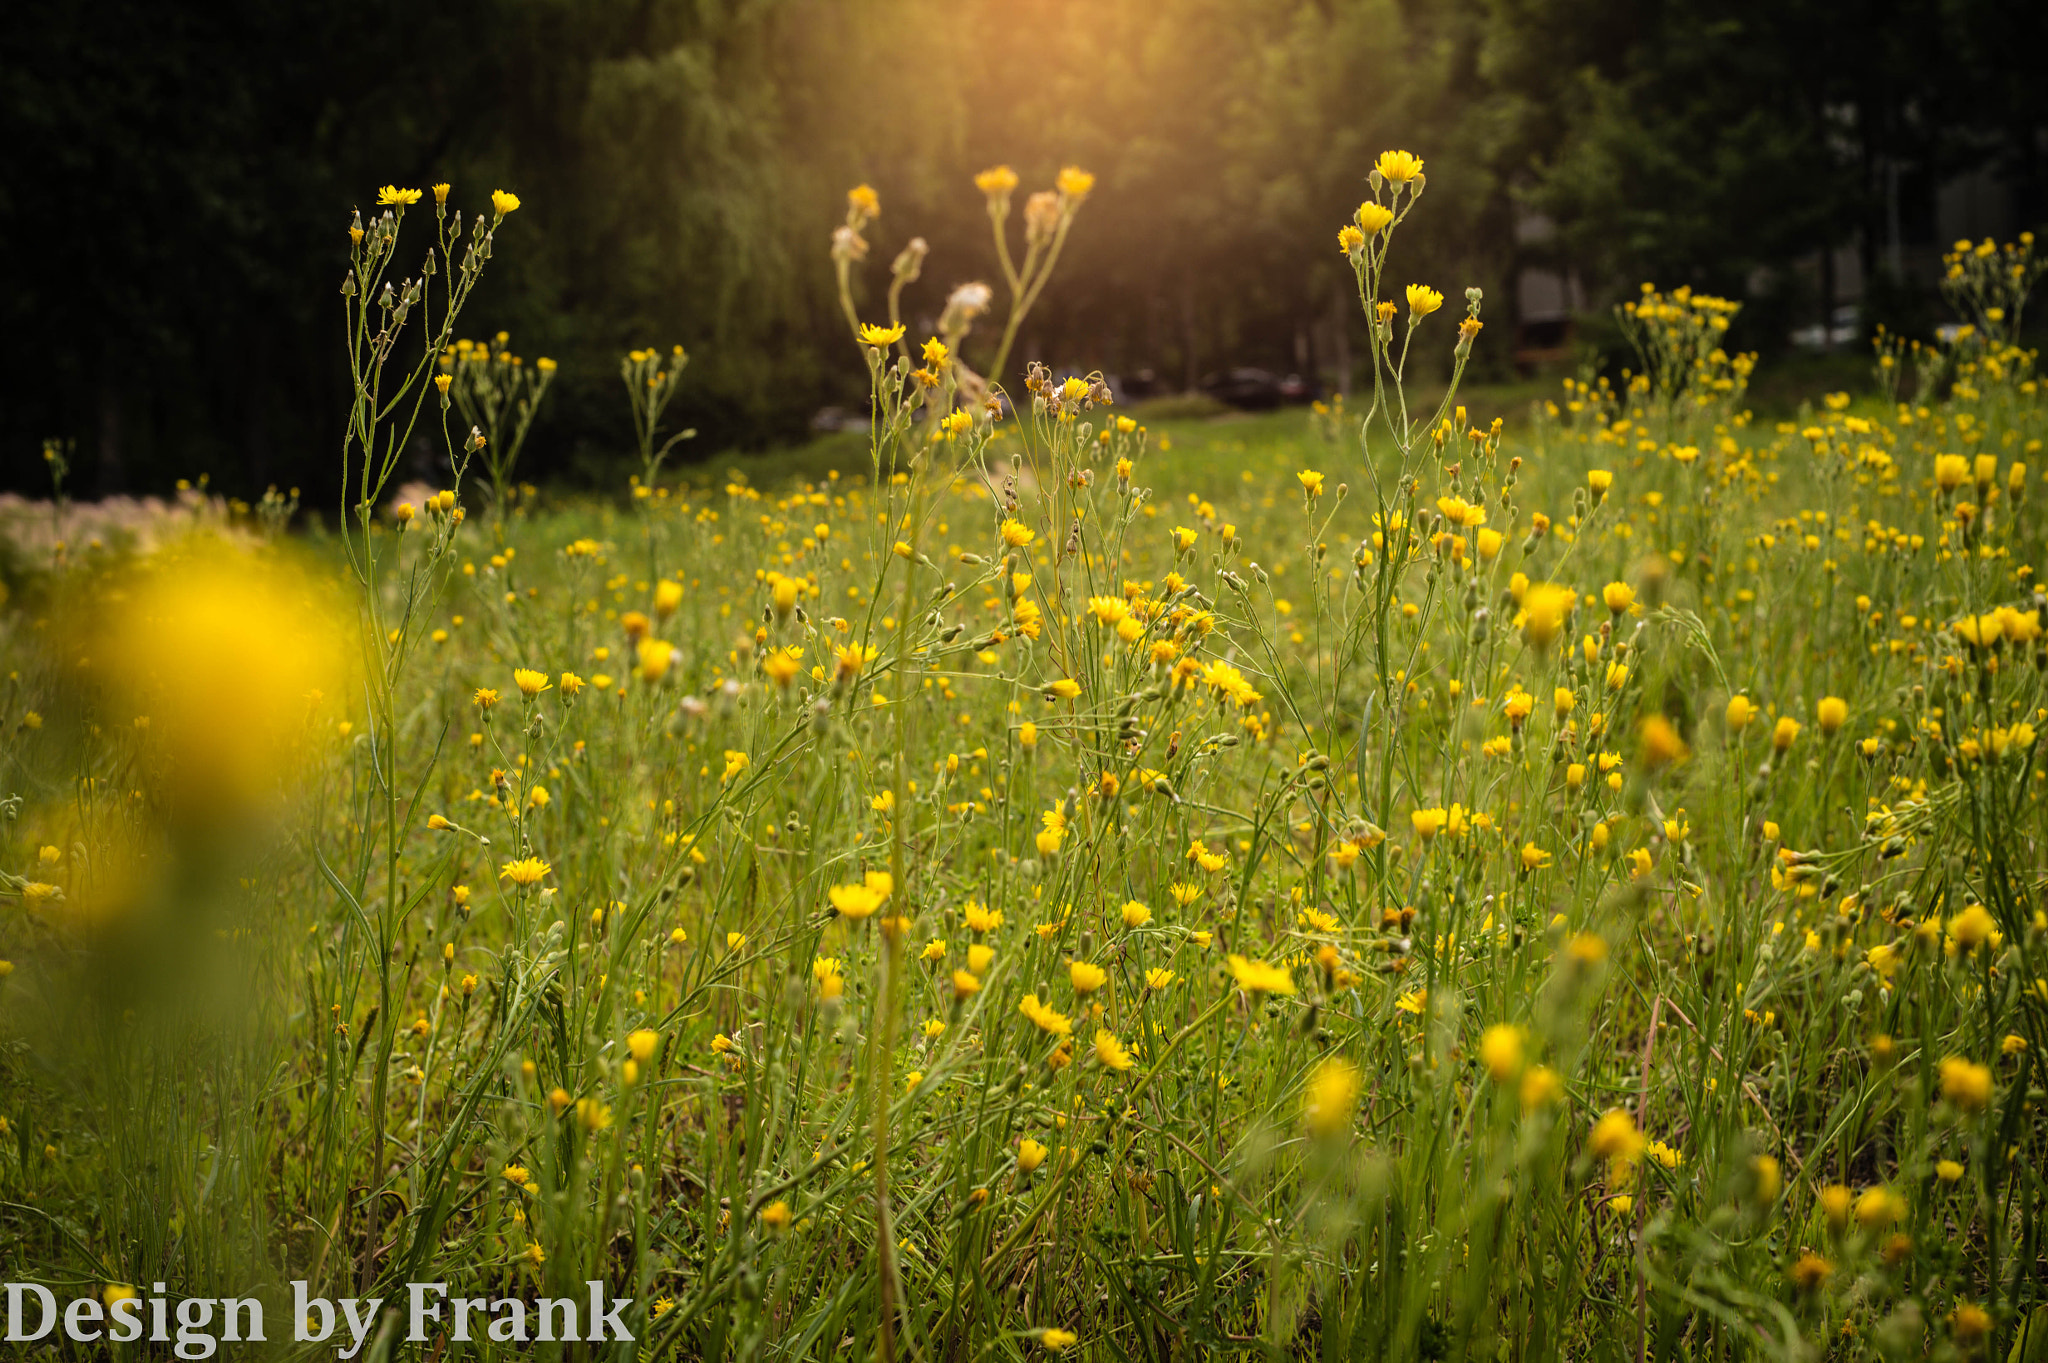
(854,901)
(996,182)
(1615,1138)
(1500,1051)
(1045,1017)
(1074,183)
(1659,742)
(1545,608)
(225,650)
(1965,1083)
(1257,977)
(1330,1097)
(1541,1087)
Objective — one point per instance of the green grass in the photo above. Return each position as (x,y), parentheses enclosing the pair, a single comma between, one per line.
(792,961)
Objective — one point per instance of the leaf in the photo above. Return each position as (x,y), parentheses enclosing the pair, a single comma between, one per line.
(1364,733)
(2032,1344)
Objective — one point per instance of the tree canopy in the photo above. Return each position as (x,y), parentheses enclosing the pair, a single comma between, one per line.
(181,178)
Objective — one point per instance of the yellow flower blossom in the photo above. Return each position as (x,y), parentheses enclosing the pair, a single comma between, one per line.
(1422,301)
(1086,977)
(1398,166)
(1257,977)
(1111,1052)
(525,872)
(1330,1098)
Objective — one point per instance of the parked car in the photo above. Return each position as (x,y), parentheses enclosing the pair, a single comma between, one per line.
(1257,390)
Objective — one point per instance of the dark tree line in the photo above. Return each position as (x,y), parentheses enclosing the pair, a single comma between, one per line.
(178,179)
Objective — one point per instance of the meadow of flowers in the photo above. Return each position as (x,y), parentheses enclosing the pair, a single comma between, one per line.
(1386,886)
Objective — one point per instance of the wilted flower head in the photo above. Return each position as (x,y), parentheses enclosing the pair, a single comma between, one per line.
(848,245)
(1042,213)
(963,305)
(909,262)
